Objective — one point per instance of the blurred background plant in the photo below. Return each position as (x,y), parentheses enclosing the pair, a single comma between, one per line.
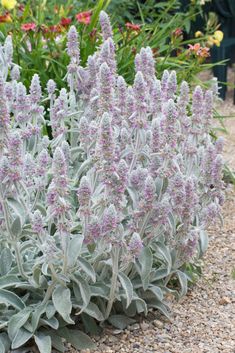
(39,29)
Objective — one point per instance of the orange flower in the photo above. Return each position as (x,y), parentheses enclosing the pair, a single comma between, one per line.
(5,18)
(204,52)
(28,26)
(201,52)
(65,21)
(133,27)
(84,17)
(194,48)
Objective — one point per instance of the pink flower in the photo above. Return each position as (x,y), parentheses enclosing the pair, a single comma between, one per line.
(28,26)
(65,21)
(84,17)
(132,26)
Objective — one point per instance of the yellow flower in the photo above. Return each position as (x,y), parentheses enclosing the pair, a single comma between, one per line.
(218,35)
(210,41)
(217,42)
(9,4)
(198,34)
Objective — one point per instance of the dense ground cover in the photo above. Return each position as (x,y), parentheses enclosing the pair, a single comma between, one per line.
(107,216)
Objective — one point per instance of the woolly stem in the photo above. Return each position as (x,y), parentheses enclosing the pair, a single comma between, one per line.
(115,261)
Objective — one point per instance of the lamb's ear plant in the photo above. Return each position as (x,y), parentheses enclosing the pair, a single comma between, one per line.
(99,222)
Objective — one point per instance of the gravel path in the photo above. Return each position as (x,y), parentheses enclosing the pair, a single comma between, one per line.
(204,320)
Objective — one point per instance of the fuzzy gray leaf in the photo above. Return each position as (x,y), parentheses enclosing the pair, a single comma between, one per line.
(74,249)
(87,268)
(183,282)
(82,287)
(203,242)
(146,262)
(127,286)
(78,339)
(62,302)
(43,342)
(5,261)
(17,321)
(21,338)
(16,227)
(10,298)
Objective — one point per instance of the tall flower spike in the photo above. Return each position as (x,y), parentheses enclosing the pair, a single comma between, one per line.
(15,156)
(42,162)
(156,97)
(135,244)
(84,131)
(59,166)
(8,49)
(156,137)
(147,64)
(139,88)
(149,190)
(121,93)
(109,221)
(171,85)
(164,81)
(105,89)
(105,25)
(22,101)
(170,113)
(107,54)
(184,95)
(197,106)
(15,73)
(73,45)
(208,110)
(66,151)
(35,89)
(138,63)
(37,222)
(4,114)
(106,141)
(92,70)
(84,192)
(51,87)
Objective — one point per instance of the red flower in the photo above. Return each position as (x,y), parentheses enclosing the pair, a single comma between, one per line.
(65,21)
(84,17)
(55,29)
(177,32)
(133,27)
(5,18)
(28,26)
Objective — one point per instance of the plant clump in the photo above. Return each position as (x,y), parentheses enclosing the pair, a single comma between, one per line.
(99,217)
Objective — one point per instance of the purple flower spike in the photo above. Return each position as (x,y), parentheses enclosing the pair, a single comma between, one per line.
(139,88)
(84,192)
(156,97)
(171,85)
(135,244)
(73,45)
(149,190)
(109,221)
(37,222)
(51,87)
(35,89)
(105,89)
(105,25)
